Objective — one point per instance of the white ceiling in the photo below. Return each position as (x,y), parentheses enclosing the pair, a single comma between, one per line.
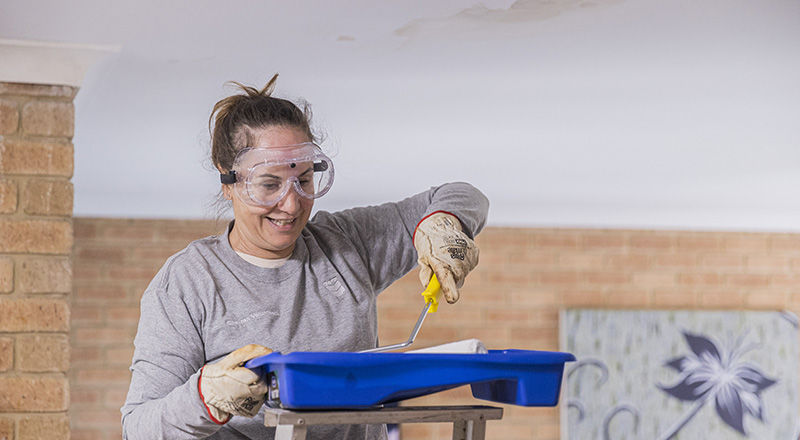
(680,114)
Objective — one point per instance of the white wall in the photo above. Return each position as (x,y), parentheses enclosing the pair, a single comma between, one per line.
(597,113)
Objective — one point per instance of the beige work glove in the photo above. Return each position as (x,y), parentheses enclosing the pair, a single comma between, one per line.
(444,249)
(228,388)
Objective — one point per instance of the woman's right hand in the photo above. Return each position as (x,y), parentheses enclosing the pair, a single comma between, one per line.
(228,388)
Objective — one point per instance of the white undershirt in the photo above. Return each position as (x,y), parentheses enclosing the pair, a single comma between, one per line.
(263,262)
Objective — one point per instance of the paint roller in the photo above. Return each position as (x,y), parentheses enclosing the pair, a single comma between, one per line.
(431,295)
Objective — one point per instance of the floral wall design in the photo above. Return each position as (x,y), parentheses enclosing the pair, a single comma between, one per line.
(677,375)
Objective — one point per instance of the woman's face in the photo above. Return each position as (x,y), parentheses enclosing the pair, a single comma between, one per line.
(270,231)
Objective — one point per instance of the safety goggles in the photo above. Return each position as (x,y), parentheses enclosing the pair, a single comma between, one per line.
(263,176)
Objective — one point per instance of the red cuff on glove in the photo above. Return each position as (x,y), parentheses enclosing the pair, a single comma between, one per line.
(202,399)
(423,219)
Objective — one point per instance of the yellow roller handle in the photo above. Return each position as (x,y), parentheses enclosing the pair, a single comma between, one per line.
(432,294)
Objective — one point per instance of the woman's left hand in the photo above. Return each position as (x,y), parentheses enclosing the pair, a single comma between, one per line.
(444,249)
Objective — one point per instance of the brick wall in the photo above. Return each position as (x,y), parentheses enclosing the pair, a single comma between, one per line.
(36,160)
(510,301)
(113,262)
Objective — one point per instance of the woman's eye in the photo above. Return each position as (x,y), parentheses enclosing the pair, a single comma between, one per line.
(268,185)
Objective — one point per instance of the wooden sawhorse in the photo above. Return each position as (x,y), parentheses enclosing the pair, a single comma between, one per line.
(469,422)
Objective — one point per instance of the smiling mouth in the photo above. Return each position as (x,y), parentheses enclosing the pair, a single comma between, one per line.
(281,222)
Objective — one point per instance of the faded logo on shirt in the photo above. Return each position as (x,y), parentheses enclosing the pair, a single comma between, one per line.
(335,286)
(252,317)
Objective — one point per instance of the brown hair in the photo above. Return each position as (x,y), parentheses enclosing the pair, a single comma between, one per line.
(233,119)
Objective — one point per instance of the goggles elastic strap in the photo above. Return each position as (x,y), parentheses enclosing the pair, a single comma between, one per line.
(231,176)
(228,178)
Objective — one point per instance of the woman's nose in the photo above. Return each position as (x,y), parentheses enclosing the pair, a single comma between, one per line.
(291,201)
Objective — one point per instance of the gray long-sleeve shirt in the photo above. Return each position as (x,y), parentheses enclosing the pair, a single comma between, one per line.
(206,301)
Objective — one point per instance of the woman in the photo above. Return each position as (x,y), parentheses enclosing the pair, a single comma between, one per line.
(279,280)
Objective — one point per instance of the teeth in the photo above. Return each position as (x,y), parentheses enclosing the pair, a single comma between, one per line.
(281,222)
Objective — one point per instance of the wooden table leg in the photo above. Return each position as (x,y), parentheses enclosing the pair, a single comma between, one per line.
(469,430)
(290,432)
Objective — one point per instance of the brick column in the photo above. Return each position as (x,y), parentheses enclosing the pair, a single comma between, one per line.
(36,163)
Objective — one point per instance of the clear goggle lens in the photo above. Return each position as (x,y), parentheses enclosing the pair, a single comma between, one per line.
(265,175)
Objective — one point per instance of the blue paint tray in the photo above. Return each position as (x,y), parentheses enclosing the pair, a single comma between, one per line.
(315,380)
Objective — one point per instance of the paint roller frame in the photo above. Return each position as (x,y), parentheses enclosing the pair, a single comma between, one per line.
(431,295)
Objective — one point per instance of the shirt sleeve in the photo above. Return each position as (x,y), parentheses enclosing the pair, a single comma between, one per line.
(464,201)
(163,400)
(383,234)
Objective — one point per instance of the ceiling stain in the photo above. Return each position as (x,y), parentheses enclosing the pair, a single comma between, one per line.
(510,22)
